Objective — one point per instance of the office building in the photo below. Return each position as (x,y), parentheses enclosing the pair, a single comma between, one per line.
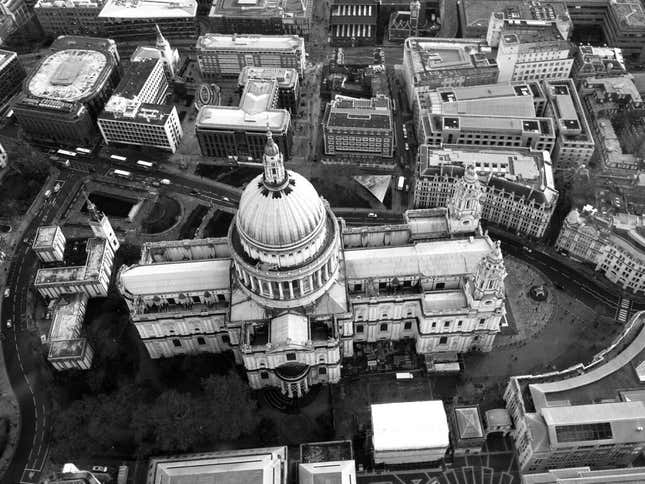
(291,300)
(68,349)
(519,188)
(135,20)
(597,62)
(289,17)
(586,415)
(529,52)
(487,115)
(613,244)
(353,22)
(609,101)
(223,55)
(288,83)
(433,63)
(584,475)
(11,75)
(161,50)
(408,432)
(266,465)
(136,113)
(70,17)
(93,277)
(64,94)
(487,19)
(359,127)
(223,130)
(574,145)
(49,243)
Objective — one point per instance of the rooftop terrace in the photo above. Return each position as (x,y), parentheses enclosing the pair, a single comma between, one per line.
(286,77)
(440,54)
(69,75)
(45,236)
(478,12)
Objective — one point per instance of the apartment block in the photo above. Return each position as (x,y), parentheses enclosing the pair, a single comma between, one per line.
(519,188)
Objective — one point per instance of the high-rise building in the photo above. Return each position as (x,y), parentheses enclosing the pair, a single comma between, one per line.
(223,130)
(429,63)
(613,244)
(137,114)
(14,14)
(11,75)
(291,298)
(519,188)
(223,55)
(63,96)
(488,115)
(49,243)
(288,83)
(71,17)
(291,17)
(68,349)
(353,22)
(587,415)
(359,127)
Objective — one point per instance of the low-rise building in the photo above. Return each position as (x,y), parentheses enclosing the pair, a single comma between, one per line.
(409,432)
(486,115)
(359,127)
(11,75)
(597,62)
(590,414)
(467,434)
(288,83)
(290,17)
(584,475)
(225,55)
(136,113)
(615,245)
(49,243)
(327,461)
(574,145)
(226,130)
(267,465)
(68,349)
(353,22)
(63,96)
(421,20)
(519,188)
(430,63)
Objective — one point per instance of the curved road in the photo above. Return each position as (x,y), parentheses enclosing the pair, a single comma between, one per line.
(24,362)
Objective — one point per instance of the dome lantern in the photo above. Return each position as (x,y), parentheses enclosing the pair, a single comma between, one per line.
(275,176)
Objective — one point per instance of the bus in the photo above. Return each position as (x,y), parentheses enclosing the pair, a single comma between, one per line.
(83,151)
(148,165)
(118,158)
(66,153)
(122,174)
(400,184)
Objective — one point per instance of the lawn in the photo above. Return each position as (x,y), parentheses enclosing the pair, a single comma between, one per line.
(17,193)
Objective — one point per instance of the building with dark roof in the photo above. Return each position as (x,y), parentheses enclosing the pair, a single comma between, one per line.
(11,75)
(467,434)
(136,113)
(419,20)
(287,17)
(353,22)
(519,189)
(359,127)
(591,414)
(65,93)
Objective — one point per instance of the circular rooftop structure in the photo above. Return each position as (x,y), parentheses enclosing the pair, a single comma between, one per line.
(69,75)
(281,218)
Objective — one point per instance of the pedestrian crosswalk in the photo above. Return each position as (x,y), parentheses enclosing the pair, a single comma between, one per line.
(624,308)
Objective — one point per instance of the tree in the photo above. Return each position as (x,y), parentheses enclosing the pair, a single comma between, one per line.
(229,404)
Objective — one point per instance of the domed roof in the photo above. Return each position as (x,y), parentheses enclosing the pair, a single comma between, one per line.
(282,217)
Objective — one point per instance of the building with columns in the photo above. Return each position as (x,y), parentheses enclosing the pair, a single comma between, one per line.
(291,290)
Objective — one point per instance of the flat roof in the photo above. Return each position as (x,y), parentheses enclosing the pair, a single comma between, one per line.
(250,42)
(75,274)
(477,13)
(68,75)
(629,13)
(149,9)
(68,4)
(375,113)
(409,426)
(6,56)
(67,317)
(45,236)
(135,77)
(435,258)
(433,54)
(176,277)
(231,118)
(285,76)
(262,466)
(258,8)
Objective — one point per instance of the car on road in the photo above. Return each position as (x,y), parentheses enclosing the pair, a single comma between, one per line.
(226,199)
(57,188)
(527,249)
(407,147)
(48,193)
(7,292)
(164,181)
(372,215)
(99,469)
(9,323)
(155,183)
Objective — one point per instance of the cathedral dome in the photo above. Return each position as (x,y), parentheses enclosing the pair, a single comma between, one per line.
(282,217)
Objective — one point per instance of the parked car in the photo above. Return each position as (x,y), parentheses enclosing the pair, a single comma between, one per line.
(9,323)
(99,469)
(48,193)
(164,181)
(372,215)
(7,292)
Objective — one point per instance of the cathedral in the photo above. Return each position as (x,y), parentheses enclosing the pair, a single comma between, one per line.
(292,290)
